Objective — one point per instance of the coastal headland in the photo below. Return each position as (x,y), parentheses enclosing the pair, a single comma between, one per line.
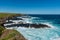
(9,34)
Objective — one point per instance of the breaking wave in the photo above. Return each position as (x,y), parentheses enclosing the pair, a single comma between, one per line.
(52,33)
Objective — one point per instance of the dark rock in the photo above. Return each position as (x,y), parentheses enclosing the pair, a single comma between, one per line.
(29,25)
(39,26)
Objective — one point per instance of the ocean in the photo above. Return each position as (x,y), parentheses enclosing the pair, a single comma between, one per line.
(52,33)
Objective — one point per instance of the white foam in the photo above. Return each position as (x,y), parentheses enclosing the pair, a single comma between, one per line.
(56,38)
(37,34)
(40,33)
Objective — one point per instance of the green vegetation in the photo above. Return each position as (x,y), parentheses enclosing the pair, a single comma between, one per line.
(1,30)
(9,34)
(12,35)
(3,15)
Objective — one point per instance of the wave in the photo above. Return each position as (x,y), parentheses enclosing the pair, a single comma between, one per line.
(38,34)
(52,33)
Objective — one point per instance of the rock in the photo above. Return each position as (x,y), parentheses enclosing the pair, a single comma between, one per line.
(29,25)
(39,26)
(10,34)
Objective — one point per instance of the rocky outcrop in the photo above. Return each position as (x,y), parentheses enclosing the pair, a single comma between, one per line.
(29,25)
(40,26)
(7,16)
(10,34)
(7,34)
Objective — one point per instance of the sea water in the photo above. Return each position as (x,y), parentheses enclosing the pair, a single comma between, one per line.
(52,33)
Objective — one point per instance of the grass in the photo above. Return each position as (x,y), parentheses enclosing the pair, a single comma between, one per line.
(3,15)
(1,30)
(11,35)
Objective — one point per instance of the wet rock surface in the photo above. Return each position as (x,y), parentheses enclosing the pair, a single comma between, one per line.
(29,25)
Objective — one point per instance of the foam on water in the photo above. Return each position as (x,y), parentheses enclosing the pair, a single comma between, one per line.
(52,33)
(56,39)
(39,33)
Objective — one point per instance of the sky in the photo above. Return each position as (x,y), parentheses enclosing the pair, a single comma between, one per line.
(30,6)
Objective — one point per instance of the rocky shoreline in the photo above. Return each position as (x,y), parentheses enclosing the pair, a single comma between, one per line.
(7,16)
(29,25)
(9,34)
(23,21)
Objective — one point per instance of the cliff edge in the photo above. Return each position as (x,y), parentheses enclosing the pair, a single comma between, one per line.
(9,34)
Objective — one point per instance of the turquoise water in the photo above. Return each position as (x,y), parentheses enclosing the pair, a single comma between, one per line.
(52,33)
(39,34)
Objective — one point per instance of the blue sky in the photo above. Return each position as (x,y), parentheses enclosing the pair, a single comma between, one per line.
(30,6)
